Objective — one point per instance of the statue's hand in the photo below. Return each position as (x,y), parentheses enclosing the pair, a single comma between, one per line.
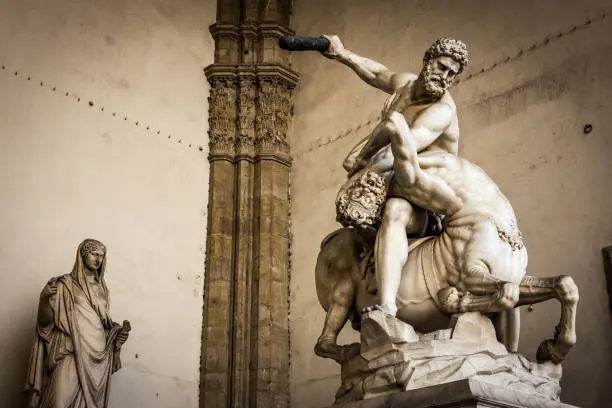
(335,49)
(49,290)
(123,334)
(359,165)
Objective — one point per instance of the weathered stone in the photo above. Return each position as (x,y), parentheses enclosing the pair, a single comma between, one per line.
(381,333)
(397,359)
(467,393)
(248,235)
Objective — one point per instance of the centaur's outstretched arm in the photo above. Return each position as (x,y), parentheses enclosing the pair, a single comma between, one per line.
(427,191)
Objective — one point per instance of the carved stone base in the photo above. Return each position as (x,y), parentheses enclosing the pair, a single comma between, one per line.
(468,393)
(394,358)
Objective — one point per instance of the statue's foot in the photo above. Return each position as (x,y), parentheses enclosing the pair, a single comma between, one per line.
(328,348)
(386,309)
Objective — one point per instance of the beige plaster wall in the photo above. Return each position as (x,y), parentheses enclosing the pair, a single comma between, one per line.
(69,171)
(522,122)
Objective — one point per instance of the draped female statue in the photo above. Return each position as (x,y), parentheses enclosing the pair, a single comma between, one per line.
(77,345)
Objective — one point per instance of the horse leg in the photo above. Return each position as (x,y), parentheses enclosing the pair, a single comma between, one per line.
(342,299)
(507,327)
(535,290)
(480,292)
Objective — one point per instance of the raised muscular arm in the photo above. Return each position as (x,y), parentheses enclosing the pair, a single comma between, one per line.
(372,72)
(375,147)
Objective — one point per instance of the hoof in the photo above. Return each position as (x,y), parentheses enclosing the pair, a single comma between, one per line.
(351,350)
(340,354)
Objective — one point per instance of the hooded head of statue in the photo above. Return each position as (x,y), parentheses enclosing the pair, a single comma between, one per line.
(91,256)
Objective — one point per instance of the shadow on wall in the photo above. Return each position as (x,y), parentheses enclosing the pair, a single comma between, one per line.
(17,345)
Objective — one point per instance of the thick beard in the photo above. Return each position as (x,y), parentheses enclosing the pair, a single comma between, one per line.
(433,89)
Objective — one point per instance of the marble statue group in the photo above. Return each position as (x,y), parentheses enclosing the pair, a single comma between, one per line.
(428,242)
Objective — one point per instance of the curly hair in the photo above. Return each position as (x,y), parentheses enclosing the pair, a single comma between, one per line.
(361,199)
(448,47)
(89,245)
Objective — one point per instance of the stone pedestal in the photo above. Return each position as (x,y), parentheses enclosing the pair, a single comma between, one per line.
(468,393)
(464,360)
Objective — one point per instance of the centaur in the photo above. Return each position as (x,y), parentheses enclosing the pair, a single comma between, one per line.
(477,264)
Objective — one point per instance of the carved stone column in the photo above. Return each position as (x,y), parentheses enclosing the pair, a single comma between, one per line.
(220,245)
(245,340)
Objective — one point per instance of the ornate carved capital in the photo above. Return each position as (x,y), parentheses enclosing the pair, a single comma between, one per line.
(222,110)
(247,94)
(274,107)
(250,110)
(274,110)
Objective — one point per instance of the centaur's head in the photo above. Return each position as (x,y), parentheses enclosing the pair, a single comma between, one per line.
(361,199)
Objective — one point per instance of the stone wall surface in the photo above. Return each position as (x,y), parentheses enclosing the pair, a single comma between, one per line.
(92,164)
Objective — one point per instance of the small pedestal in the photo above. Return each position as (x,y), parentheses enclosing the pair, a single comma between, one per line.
(468,393)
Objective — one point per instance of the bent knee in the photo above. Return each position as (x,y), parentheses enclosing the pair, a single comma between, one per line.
(567,288)
(343,294)
(509,296)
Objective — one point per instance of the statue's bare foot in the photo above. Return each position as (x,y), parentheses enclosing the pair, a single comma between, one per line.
(386,309)
(328,348)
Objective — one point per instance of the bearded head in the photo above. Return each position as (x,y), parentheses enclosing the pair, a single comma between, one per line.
(361,200)
(442,64)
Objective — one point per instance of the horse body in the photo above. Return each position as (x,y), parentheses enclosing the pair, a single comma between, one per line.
(478,263)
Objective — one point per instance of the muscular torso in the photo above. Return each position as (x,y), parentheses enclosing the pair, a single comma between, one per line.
(482,233)
(403,102)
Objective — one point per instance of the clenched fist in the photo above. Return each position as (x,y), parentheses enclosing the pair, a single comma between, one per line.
(123,335)
(335,49)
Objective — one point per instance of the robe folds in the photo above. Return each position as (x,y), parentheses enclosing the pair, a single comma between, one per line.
(74,356)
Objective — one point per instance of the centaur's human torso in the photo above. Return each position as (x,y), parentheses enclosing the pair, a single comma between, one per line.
(482,236)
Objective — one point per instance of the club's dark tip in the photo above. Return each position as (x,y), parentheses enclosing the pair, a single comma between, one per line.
(300,43)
